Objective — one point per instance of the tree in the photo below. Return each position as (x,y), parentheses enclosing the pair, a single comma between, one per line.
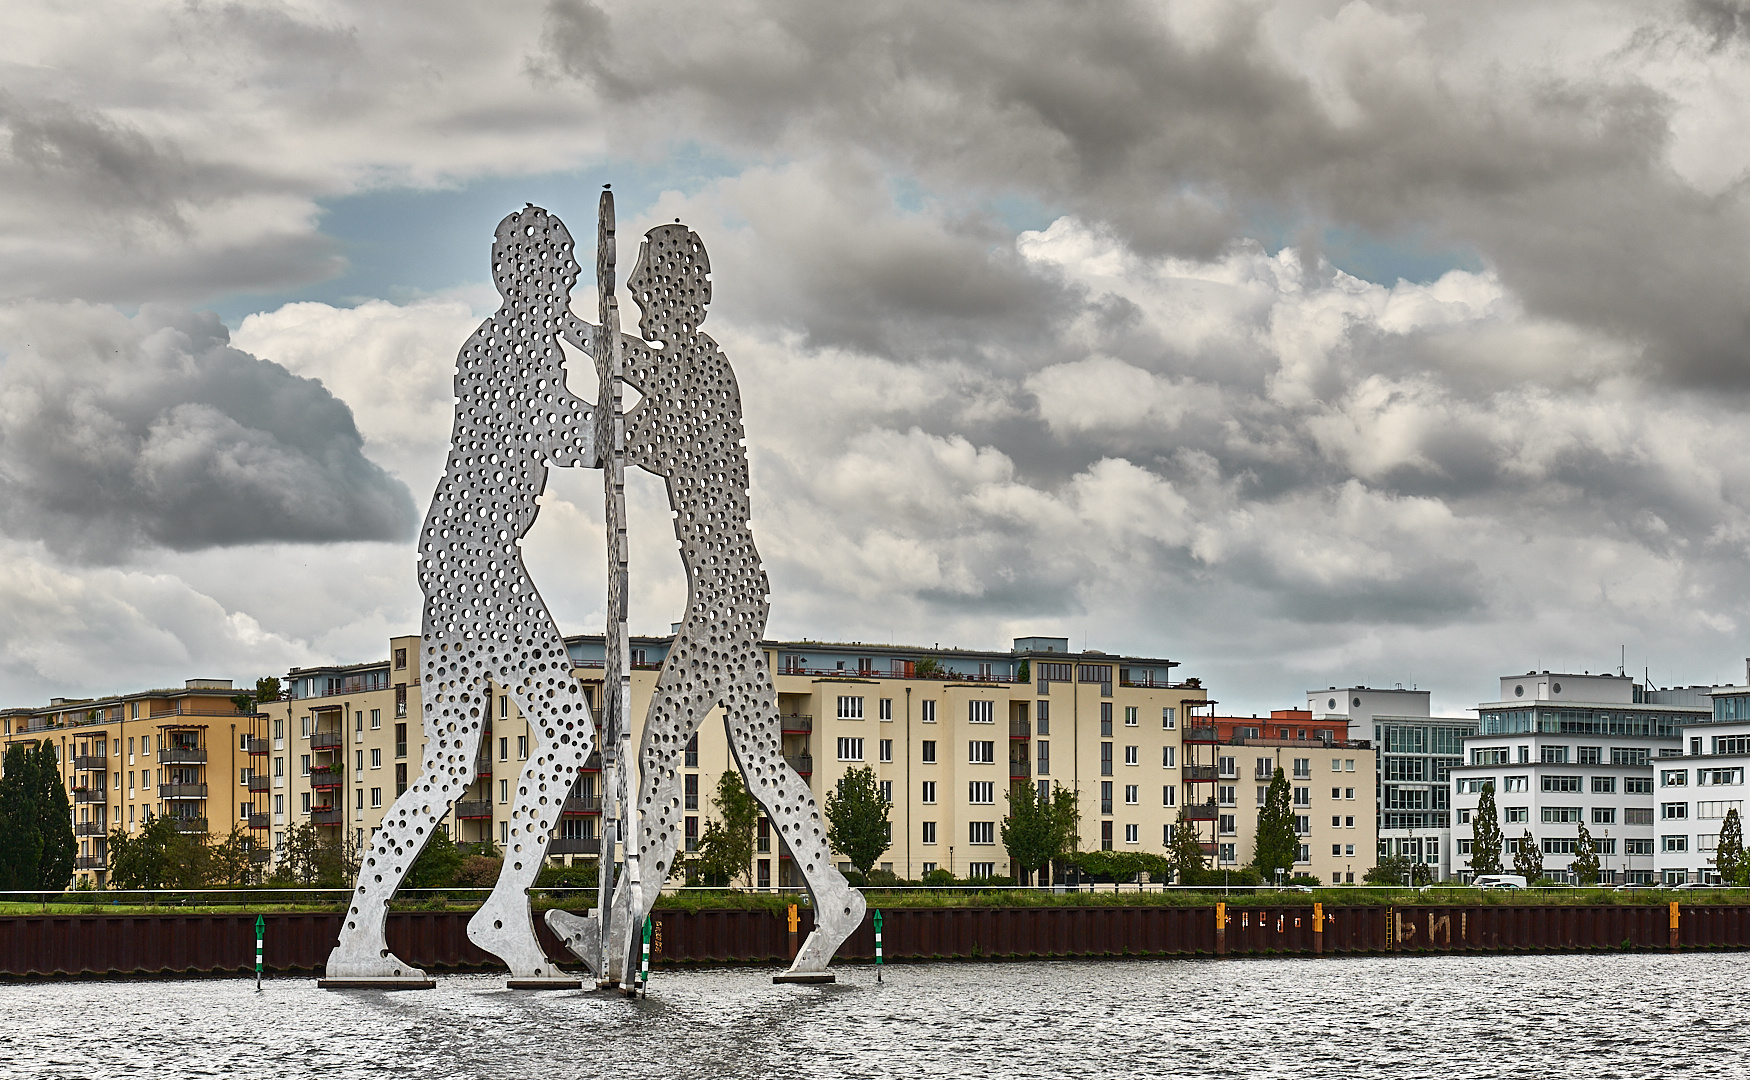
(228,861)
(434,867)
(1278,845)
(1391,870)
(727,842)
(1729,859)
(1485,845)
(54,822)
(266,689)
(1585,864)
(1031,832)
(156,857)
(856,817)
(1528,860)
(1186,853)
(21,837)
(309,858)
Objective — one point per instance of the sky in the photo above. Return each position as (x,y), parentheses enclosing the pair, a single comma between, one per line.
(1304,343)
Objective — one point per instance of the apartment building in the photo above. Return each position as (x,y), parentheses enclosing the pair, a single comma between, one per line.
(130,757)
(1562,750)
(1331,779)
(1694,790)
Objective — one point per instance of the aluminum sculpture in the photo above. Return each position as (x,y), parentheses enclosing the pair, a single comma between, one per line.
(486,629)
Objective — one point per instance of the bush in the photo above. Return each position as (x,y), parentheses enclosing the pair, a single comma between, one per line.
(1216,878)
(939,877)
(1309,880)
(884,879)
(567,877)
(478,872)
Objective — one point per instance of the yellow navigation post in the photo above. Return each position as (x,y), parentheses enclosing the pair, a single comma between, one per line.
(1318,928)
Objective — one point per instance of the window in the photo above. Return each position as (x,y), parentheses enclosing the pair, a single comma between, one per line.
(522,748)
(1303,796)
(376,719)
(886,749)
(1718,809)
(981,792)
(1464,817)
(1517,814)
(1675,843)
(504,791)
(981,752)
(981,832)
(928,753)
(981,712)
(1604,785)
(1637,815)
(1263,794)
(1555,846)
(1168,793)
(1044,758)
(1604,815)
(376,757)
(850,708)
(1167,757)
(1130,721)
(1561,783)
(1337,850)
(1226,767)
(400,658)
(1042,716)
(1732,744)
(376,797)
(1719,777)
(1053,672)
(400,740)
(1132,834)
(306,801)
(1105,836)
(1105,719)
(1494,755)
(1130,757)
(927,712)
(1225,794)
(850,749)
(1349,766)
(1673,810)
(1227,853)
(1132,794)
(304,762)
(928,793)
(1673,777)
(1474,785)
(886,708)
(1628,755)
(504,748)
(929,836)
(1093,673)
(1105,796)
(691,761)
(692,791)
(1590,755)
(1637,847)
(401,699)
(1554,755)
(1169,718)
(358,761)
(887,792)
(1105,759)
(1560,814)
(1228,824)
(1336,764)
(1302,768)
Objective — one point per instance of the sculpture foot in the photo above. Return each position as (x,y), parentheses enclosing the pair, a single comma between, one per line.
(382,971)
(509,936)
(581,935)
(805,977)
(838,913)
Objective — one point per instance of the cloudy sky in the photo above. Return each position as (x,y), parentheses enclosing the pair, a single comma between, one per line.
(1305,343)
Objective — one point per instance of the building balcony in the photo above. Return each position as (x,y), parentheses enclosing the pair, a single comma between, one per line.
(90,763)
(92,862)
(1197,774)
(1020,769)
(582,804)
(326,779)
(474,811)
(1208,847)
(327,740)
(258,821)
(1201,811)
(482,767)
(182,791)
(254,747)
(90,795)
(796,724)
(188,825)
(1202,735)
(89,828)
(1020,729)
(574,845)
(259,856)
(593,763)
(802,763)
(183,755)
(258,783)
(327,815)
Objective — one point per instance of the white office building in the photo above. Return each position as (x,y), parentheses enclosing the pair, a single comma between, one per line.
(1694,791)
(1562,750)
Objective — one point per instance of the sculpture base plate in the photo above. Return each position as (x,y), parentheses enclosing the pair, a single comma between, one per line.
(543,984)
(375,984)
(805,977)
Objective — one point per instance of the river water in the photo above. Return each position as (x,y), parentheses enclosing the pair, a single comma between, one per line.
(1448,1017)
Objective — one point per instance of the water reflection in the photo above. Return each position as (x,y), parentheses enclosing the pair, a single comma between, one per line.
(1446,1017)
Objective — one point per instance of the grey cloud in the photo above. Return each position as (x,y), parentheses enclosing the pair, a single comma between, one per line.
(117,433)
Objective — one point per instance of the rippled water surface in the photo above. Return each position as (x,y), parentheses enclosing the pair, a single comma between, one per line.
(1632,1015)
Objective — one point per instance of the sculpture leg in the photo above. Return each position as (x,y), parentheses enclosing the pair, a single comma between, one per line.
(756,740)
(362,956)
(563,737)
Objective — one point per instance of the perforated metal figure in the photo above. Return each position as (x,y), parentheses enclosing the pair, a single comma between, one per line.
(687,429)
(486,630)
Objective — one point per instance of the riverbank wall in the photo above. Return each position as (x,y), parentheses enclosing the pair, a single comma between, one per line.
(143,945)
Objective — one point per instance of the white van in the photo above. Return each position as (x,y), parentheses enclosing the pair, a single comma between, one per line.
(1499,881)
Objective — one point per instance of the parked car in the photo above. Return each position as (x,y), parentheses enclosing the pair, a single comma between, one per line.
(1499,881)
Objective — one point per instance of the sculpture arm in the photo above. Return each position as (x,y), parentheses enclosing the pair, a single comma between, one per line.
(572,438)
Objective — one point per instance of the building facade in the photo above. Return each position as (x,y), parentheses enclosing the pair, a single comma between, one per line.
(1694,790)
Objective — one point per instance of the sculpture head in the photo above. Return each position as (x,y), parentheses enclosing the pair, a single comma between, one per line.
(532,258)
(671,283)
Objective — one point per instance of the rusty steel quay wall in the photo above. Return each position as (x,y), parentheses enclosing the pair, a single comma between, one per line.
(35,946)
